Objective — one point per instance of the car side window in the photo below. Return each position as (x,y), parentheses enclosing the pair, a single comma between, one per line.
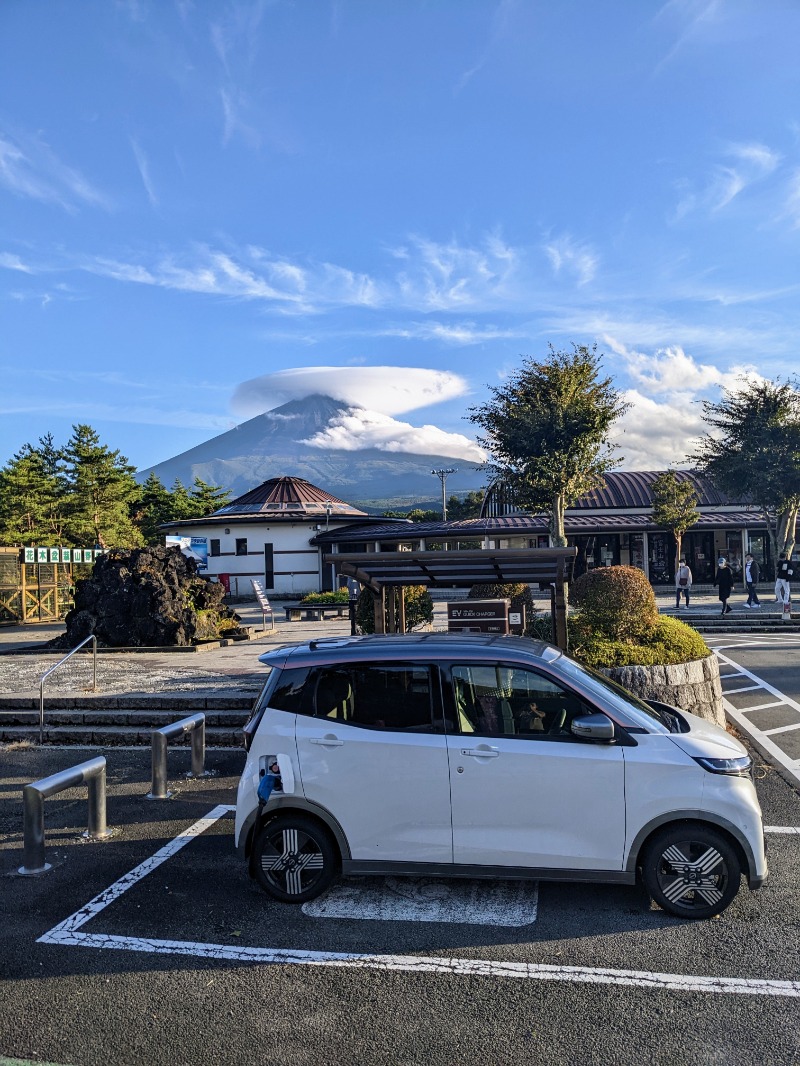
(387,696)
(508,701)
(291,692)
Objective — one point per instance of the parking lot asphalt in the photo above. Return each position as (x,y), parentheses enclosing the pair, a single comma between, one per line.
(154,946)
(186,960)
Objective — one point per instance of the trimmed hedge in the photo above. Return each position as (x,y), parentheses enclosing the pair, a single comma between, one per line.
(617,601)
(669,642)
(617,623)
(321,598)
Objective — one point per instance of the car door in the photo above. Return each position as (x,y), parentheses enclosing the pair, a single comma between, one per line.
(525,792)
(374,754)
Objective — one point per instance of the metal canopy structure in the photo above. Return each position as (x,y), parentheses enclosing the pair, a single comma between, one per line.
(382,571)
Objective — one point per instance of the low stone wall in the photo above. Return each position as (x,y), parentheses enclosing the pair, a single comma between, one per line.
(694,686)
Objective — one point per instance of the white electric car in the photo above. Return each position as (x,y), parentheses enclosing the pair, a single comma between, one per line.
(487,757)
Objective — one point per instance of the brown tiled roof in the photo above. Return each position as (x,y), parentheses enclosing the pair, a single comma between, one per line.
(286,497)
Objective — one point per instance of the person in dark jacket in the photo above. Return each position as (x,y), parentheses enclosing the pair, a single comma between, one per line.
(724,581)
(751,575)
(783,577)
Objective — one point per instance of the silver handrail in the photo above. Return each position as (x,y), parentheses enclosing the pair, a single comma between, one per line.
(92,773)
(194,724)
(53,669)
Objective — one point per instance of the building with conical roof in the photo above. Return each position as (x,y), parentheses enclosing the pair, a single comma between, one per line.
(265,535)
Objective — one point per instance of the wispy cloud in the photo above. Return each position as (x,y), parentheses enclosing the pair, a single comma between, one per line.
(690,22)
(499,24)
(30,168)
(746,164)
(454,333)
(448,276)
(13,262)
(143,164)
(567,256)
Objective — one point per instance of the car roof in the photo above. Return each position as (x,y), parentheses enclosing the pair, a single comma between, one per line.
(479,647)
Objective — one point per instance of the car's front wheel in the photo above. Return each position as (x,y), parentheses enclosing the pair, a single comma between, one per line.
(294,858)
(691,871)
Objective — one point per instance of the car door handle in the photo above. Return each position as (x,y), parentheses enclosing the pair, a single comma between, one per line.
(328,742)
(483,753)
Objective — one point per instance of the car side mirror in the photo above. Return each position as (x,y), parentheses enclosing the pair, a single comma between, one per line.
(593,727)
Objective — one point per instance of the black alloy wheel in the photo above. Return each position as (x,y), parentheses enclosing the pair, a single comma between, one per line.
(691,871)
(294,859)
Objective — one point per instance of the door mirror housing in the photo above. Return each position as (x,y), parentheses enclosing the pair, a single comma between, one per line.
(593,727)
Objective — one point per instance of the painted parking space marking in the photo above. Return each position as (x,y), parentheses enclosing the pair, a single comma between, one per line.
(761,737)
(448,966)
(793,830)
(400,899)
(69,934)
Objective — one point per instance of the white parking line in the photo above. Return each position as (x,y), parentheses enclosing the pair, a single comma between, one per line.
(762,736)
(67,933)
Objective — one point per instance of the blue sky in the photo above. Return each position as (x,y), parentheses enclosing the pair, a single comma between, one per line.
(207,208)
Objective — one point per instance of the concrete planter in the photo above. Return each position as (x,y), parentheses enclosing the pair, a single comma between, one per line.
(694,686)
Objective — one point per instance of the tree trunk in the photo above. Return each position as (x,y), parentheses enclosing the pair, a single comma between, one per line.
(678,545)
(786,527)
(557,534)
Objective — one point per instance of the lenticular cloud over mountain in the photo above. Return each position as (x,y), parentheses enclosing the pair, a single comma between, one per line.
(389,390)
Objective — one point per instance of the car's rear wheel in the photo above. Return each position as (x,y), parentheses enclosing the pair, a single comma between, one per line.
(691,871)
(294,858)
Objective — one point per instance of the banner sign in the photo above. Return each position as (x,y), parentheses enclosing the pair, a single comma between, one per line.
(192,547)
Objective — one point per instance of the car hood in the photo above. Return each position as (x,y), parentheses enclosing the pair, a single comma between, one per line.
(707,740)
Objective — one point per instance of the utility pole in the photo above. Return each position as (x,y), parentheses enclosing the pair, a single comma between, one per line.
(442,475)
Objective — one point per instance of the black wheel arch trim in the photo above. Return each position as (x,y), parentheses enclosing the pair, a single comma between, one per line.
(291,804)
(706,818)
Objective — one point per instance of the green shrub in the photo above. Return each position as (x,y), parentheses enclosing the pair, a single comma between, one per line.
(615,601)
(418,604)
(521,597)
(669,641)
(321,598)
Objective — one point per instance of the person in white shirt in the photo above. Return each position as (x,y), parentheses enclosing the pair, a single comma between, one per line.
(683,582)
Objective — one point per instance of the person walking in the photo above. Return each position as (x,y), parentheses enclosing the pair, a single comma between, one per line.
(785,571)
(751,575)
(724,581)
(683,582)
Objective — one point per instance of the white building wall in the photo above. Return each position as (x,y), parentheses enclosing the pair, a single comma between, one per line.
(296,563)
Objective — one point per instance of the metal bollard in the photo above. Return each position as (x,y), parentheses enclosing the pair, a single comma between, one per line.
(194,724)
(93,773)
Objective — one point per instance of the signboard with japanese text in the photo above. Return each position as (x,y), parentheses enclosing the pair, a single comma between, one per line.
(478,616)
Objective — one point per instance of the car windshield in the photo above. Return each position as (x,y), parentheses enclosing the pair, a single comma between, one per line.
(650,718)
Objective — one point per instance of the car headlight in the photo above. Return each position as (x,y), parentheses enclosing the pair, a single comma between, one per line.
(739,767)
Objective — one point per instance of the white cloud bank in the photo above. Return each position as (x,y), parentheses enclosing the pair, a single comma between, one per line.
(665,421)
(376,394)
(357,429)
(389,390)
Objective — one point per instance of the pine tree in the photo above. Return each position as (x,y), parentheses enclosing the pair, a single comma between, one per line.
(207,498)
(156,506)
(102,493)
(31,496)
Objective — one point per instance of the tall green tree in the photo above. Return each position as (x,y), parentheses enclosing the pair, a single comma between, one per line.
(546,430)
(206,498)
(102,492)
(468,507)
(752,452)
(31,496)
(674,506)
(155,507)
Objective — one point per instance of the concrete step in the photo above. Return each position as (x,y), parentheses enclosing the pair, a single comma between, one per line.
(105,736)
(188,704)
(155,718)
